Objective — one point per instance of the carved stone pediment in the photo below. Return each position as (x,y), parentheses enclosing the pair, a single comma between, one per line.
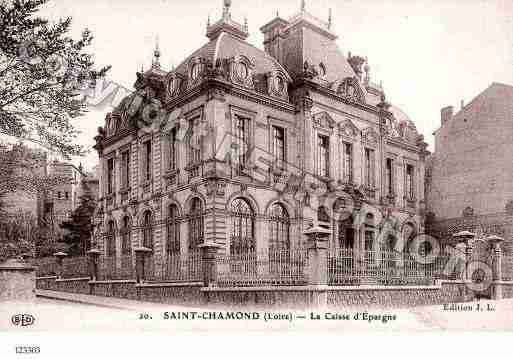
(350,89)
(348,130)
(323,120)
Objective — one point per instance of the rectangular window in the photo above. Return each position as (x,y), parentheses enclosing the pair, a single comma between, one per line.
(194,142)
(368,240)
(279,146)
(323,160)
(241,131)
(410,188)
(110,175)
(173,158)
(59,195)
(369,168)
(125,169)
(147,160)
(389,176)
(66,195)
(348,163)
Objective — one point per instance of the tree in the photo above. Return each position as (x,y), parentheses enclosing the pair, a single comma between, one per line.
(18,235)
(42,70)
(79,228)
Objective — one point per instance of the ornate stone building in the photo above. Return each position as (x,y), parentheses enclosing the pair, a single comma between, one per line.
(212,150)
(469,186)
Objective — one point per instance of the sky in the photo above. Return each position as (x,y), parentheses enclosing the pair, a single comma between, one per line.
(428,53)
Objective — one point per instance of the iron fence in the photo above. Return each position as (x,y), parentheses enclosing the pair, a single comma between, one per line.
(263,268)
(349,267)
(75,267)
(506,267)
(177,267)
(45,266)
(116,268)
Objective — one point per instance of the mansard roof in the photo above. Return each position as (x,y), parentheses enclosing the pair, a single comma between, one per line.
(226,46)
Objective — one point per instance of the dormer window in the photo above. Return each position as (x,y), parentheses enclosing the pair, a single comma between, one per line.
(195,71)
(322,70)
(241,70)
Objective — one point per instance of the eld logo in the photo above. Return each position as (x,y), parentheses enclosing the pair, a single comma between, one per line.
(22,319)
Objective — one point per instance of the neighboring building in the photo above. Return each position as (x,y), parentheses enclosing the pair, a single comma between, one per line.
(28,200)
(63,199)
(301,101)
(469,184)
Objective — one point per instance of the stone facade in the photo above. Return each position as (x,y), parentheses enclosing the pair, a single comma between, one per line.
(468,186)
(175,164)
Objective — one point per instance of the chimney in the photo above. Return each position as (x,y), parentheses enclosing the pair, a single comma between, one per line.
(273,37)
(446,114)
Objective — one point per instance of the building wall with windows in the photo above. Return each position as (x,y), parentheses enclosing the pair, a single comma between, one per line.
(248,148)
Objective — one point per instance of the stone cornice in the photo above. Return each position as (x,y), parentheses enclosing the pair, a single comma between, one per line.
(231,89)
(401,144)
(313,86)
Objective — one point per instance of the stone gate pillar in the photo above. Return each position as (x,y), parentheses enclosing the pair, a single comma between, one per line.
(59,258)
(94,256)
(209,253)
(317,267)
(495,241)
(141,253)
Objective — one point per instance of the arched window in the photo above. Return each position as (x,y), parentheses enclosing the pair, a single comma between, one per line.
(173,230)
(195,224)
(125,236)
(147,230)
(280,228)
(111,240)
(242,238)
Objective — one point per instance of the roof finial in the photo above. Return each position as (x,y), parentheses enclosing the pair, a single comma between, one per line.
(226,9)
(367,71)
(208,21)
(245,24)
(156,53)
(277,13)
(303,5)
(329,19)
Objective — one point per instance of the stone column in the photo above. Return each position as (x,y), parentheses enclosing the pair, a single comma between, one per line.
(59,257)
(317,268)
(94,256)
(209,253)
(141,253)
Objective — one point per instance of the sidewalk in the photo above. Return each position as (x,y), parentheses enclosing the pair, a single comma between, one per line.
(106,302)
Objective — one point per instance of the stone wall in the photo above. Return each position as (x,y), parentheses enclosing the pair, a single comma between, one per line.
(397,298)
(300,297)
(17,281)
